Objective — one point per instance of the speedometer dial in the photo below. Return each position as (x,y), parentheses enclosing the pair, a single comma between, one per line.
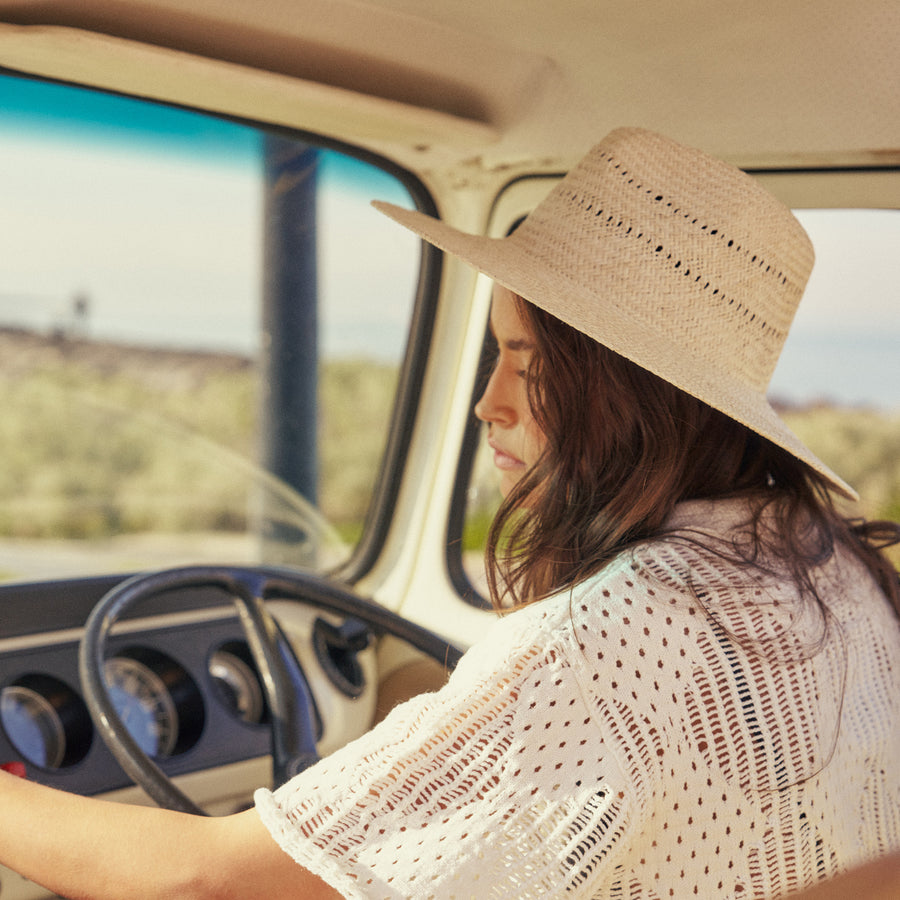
(46,721)
(144,705)
(33,726)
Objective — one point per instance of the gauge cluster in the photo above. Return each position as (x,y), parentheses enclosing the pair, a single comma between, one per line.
(185,686)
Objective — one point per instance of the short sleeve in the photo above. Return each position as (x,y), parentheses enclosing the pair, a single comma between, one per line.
(499,785)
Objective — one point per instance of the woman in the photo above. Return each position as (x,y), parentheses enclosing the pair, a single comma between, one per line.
(697,692)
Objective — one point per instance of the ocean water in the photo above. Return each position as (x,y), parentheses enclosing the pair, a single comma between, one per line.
(839,367)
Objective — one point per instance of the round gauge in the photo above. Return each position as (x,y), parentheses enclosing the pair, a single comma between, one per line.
(144,705)
(237,684)
(33,726)
(46,721)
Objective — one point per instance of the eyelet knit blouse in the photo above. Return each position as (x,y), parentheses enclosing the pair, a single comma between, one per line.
(676,726)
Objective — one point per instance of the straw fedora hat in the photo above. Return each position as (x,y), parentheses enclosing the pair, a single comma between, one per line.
(676,260)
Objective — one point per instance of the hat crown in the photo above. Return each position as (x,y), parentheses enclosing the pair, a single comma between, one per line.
(711,263)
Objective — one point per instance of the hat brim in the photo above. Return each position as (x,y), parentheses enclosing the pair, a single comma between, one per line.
(506,262)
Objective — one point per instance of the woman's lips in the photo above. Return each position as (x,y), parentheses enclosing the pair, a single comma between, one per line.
(503,459)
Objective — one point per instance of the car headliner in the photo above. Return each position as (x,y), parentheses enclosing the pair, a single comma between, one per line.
(474,92)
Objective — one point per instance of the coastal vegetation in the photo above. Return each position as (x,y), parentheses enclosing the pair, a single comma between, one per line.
(100,439)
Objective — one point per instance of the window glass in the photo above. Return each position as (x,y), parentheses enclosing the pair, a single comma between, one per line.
(835,384)
(201,331)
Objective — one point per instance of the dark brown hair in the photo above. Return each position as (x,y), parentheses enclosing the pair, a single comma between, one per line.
(623,448)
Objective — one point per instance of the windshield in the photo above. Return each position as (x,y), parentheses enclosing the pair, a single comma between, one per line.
(202,327)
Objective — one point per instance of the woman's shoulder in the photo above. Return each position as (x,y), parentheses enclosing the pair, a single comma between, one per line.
(690,581)
(664,573)
(697,555)
(698,578)
(626,600)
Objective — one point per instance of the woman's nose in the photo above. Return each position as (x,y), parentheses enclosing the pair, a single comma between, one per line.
(494,407)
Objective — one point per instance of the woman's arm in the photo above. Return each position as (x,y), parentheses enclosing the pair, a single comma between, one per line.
(82,847)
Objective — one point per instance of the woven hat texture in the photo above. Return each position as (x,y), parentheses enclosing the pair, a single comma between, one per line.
(672,258)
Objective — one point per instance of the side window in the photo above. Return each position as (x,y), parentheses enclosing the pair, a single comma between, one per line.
(835,384)
(202,327)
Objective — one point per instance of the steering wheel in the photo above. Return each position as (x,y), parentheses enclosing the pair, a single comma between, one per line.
(284,684)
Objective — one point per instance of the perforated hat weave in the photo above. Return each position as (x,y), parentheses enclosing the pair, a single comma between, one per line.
(676,260)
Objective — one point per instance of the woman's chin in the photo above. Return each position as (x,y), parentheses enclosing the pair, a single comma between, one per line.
(509,478)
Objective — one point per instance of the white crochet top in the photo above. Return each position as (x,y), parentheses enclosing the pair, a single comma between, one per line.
(674,727)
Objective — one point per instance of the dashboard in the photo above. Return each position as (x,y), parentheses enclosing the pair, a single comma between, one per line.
(180,674)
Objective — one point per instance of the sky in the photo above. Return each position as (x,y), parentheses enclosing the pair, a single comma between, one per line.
(159,221)
(155,215)
(845,340)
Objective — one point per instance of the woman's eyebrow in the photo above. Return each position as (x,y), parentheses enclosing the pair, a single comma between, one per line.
(519,344)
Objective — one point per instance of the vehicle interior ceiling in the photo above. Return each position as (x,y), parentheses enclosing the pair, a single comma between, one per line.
(471,97)
(456,90)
